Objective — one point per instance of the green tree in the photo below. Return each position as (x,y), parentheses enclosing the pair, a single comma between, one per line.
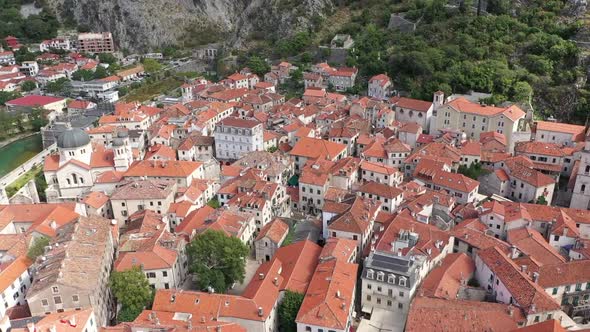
(38,247)
(41,185)
(132,290)
(127,314)
(473,171)
(214,203)
(272,149)
(100,72)
(258,65)
(170,52)
(37,119)
(28,86)
(61,86)
(23,54)
(541,200)
(151,65)
(6,96)
(288,310)
(217,260)
(83,75)
(107,58)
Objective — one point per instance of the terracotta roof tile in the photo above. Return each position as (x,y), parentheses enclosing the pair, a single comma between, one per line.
(275,230)
(438,315)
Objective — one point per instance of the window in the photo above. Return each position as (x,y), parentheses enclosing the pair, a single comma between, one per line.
(368,297)
(151,274)
(554,291)
(378,300)
(57,299)
(164,273)
(402,281)
(400,305)
(55,290)
(380,276)
(391,279)
(44,302)
(166,286)
(370,274)
(369,286)
(75,298)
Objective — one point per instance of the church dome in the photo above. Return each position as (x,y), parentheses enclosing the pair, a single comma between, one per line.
(73,138)
(118,141)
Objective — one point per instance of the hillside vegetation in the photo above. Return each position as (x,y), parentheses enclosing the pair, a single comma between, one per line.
(514,51)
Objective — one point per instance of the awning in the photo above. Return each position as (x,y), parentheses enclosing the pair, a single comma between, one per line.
(367,309)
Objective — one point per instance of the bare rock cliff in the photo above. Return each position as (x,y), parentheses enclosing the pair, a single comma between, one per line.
(148,24)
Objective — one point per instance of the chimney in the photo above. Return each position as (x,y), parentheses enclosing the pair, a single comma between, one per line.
(513,252)
(535,277)
(260,312)
(260,276)
(338,294)
(510,310)
(72,321)
(523,268)
(172,298)
(276,281)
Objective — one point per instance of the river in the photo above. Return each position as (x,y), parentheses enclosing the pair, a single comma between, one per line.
(18,152)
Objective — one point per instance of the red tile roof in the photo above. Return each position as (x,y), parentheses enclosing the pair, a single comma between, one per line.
(533,244)
(561,274)
(299,261)
(578,132)
(155,168)
(527,294)
(275,230)
(412,104)
(33,100)
(438,315)
(96,199)
(327,302)
(314,148)
(455,181)
(446,280)
(463,105)
(240,123)
(359,218)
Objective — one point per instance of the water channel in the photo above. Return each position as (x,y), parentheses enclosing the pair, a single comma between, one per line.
(18,152)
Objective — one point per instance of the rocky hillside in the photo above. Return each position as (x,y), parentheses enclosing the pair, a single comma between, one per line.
(143,25)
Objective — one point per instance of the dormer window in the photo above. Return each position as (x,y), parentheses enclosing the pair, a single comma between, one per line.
(391,279)
(402,281)
(371,274)
(380,276)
